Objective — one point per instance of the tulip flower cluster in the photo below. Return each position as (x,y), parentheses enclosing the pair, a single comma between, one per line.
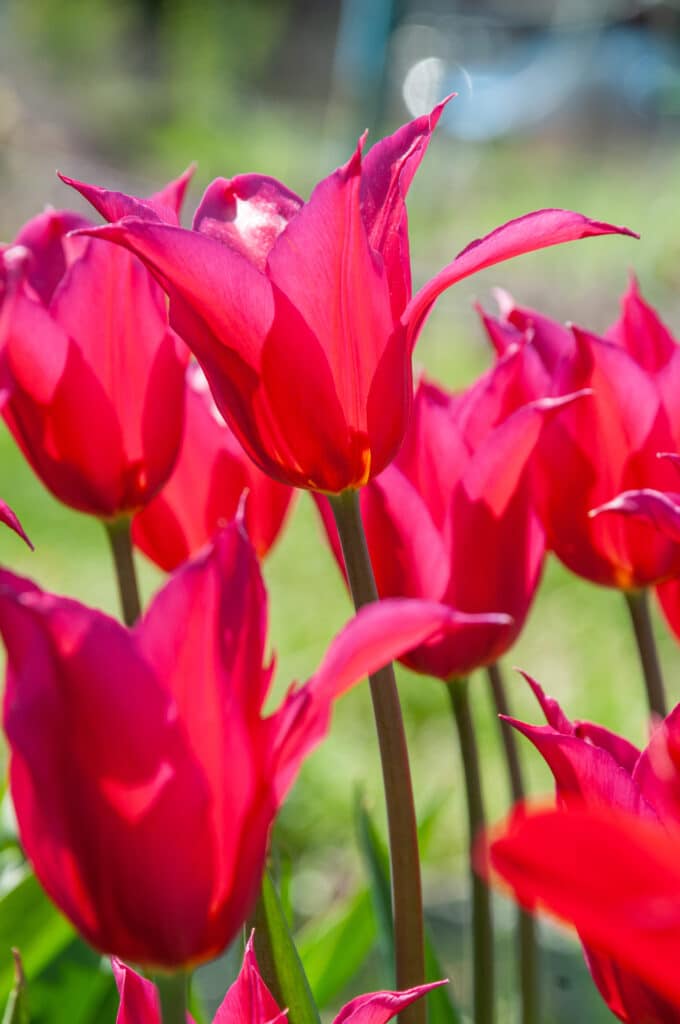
(178,384)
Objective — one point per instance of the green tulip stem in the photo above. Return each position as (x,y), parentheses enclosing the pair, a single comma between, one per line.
(638,606)
(407,900)
(172,992)
(120,539)
(482,925)
(529,973)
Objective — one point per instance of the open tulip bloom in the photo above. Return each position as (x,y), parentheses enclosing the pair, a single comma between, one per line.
(249,1001)
(608,858)
(144,777)
(302,313)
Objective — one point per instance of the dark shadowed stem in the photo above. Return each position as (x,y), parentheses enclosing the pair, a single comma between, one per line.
(529,974)
(172,991)
(482,925)
(118,532)
(407,900)
(638,606)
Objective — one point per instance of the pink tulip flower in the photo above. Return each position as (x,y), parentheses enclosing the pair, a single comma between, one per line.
(93,372)
(453,520)
(606,444)
(144,774)
(302,314)
(628,802)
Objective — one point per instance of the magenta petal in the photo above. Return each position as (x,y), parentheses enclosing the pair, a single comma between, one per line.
(138,997)
(641,331)
(656,506)
(379,1007)
(536,230)
(229,294)
(383,631)
(163,206)
(44,237)
(248,1001)
(248,213)
(408,552)
(386,175)
(9,518)
(323,263)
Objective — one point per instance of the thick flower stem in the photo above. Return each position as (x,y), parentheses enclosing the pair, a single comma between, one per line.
(638,606)
(118,532)
(529,974)
(407,901)
(482,926)
(172,992)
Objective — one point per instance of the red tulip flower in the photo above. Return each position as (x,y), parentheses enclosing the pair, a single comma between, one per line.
(94,373)
(144,775)
(452,519)
(301,313)
(634,799)
(661,510)
(211,475)
(249,1001)
(604,445)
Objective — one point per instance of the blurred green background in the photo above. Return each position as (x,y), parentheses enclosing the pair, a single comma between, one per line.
(585,114)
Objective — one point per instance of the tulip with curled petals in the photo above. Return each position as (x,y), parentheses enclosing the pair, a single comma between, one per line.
(607,858)
(144,775)
(302,313)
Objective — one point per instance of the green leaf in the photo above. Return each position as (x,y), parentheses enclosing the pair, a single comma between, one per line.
(30,922)
(293,987)
(16,1010)
(334,948)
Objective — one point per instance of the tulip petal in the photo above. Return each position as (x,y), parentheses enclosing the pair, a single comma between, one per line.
(249,1001)
(386,175)
(379,1007)
(10,518)
(44,237)
(111,307)
(248,213)
(163,206)
(224,289)
(411,559)
(583,771)
(533,231)
(641,331)
(613,876)
(66,708)
(378,633)
(323,263)
(139,1002)
(658,507)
